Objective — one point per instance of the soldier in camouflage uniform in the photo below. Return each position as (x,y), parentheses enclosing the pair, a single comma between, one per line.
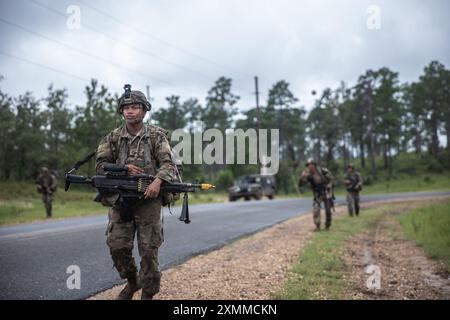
(353,184)
(143,149)
(46,183)
(321,182)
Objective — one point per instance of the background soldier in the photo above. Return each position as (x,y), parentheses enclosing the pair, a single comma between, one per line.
(353,184)
(142,149)
(320,180)
(46,184)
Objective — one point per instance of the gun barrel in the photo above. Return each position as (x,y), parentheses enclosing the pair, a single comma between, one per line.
(73,178)
(76,178)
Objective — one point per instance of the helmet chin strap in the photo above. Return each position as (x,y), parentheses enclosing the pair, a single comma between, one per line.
(135,121)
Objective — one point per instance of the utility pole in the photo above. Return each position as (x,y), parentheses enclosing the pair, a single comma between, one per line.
(148,92)
(257,103)
(147,88)
(258,118)
(257,93)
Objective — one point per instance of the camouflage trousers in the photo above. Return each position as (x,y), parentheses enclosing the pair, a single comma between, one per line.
(120,240)
(47,198)
(318,200)
(353,202)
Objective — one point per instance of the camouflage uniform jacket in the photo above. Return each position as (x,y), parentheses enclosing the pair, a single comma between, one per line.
(323,179)
(353,181)
(46,183)
(148,149)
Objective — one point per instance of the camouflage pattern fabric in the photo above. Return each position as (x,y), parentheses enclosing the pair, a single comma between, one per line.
(46,184)
(353,182)
(321,183)
(150,150)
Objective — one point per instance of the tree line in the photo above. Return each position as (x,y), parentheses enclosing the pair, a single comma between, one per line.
(376,118)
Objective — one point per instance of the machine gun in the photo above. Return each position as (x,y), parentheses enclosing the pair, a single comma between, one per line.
(322,190)
(128,189)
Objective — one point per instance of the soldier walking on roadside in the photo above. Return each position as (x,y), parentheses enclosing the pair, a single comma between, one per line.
(321,182)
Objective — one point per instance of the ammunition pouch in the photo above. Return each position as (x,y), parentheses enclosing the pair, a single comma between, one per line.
(167,198)
(126,209)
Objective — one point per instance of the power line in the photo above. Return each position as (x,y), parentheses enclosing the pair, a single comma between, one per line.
(82,51)
(145,33)
(44,66)
(37,64)
(115,39)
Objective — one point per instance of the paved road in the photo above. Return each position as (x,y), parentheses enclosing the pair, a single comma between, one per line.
(34,257)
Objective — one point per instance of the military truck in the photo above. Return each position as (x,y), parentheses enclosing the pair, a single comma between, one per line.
(252,186)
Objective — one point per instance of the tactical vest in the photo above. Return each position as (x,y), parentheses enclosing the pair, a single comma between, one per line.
(119,146)
(319,188)
(355,180)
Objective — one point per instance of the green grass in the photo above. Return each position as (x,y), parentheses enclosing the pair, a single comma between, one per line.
(429,227)
(407,183)
(318,272)
(20,202)
(400,183)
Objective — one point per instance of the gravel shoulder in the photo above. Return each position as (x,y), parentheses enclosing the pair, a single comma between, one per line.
(249,268)
(257,266)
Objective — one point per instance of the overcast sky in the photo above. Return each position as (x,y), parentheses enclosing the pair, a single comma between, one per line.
(182,47)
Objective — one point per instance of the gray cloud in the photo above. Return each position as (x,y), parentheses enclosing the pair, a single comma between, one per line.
(311,44)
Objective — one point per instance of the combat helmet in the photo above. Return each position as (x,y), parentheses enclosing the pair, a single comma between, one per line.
(132,97)
(310,161)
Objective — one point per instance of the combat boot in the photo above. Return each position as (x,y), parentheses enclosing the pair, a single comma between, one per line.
(130,288)
(48,210)
(317,228)
(146,295)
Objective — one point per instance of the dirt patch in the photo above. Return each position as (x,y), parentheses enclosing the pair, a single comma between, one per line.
(405,272)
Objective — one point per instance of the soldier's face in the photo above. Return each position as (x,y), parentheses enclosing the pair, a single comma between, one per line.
(349,169)
(133,113)
(312,168)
